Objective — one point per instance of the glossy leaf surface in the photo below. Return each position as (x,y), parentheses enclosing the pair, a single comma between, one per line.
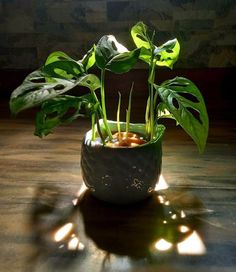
(36,88)
(185,102)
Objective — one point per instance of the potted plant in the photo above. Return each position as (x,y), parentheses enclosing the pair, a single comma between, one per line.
(120,161)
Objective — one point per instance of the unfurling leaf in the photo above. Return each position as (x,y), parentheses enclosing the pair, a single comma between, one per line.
(185,102)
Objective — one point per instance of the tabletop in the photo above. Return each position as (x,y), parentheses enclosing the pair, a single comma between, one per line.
(50,222)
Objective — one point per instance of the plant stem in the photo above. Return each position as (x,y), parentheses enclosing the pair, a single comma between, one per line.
(129,110)
(152,78)
(93,126)
(104,105)
(118,116)
(99,131)
(147,119)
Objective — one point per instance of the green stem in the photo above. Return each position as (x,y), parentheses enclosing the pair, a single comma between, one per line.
(129,110)
(99,131)
(151,95)
(118,116)
(147,119)
(93,126)
(104,105)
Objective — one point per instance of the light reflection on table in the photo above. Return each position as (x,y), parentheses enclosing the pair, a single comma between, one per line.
(85,231)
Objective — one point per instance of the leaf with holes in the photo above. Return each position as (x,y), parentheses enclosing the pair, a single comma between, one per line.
(140,36)
(185,102)
(35,90)
(60,110)
(167,53)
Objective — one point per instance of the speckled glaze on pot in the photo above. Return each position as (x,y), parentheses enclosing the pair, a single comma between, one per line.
(122,175)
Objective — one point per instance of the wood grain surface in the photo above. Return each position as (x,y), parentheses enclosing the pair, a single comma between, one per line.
(40,179)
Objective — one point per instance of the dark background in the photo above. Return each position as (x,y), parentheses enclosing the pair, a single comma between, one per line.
(206,29)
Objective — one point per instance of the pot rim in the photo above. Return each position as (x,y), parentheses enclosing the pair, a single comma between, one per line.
(134,127)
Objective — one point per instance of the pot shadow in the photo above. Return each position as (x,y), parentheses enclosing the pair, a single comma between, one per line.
(54,227)
(140,229)
(61,226)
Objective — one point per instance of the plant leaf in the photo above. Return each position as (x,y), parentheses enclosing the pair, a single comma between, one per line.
(57,56)
(107,48)
(123,62)
(167,53)
(162,111)
(90,81)
(185,102)
(59,110)
(65,69)
(140,36)
(34,90)
(89,59)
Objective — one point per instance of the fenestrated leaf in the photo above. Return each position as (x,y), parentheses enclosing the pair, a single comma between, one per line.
(107,48)
(185,102)
(60,110)
(140,36)
(167,53)
(123,62)
(34,90)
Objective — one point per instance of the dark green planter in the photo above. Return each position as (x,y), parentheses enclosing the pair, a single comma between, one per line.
(122,175)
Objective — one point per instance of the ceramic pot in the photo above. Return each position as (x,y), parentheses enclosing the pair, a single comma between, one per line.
(122,175)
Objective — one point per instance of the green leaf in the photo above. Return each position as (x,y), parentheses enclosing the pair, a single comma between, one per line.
(38,87)
(107,48)
(60,110)
(185,102)
(35,90)
(123,62)
(162,111)
(57,56)
(167,53)
(65,69)
(140,36)
(60,65)
(89,59)
(90,81)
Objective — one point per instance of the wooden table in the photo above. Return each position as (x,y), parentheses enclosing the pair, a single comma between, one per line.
(189,226)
